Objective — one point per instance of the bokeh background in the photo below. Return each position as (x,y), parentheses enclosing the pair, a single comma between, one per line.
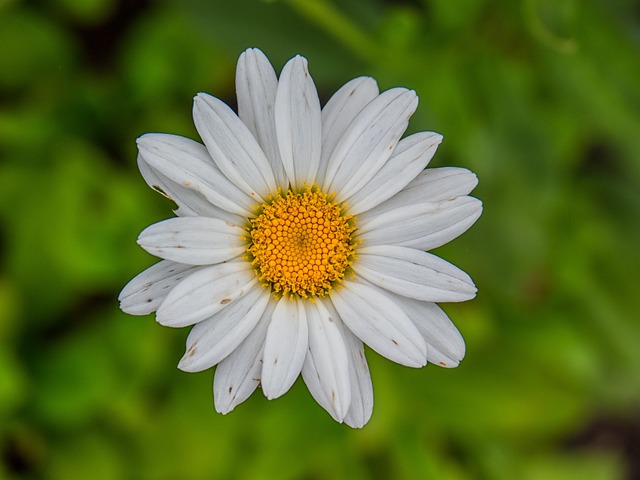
(541,98)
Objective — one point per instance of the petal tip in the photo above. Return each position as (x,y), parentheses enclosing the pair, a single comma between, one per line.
(298,62)
(223,407)
(450,364)
(183,365)
(186,363)
(202,97)
(251,52)
(143,141)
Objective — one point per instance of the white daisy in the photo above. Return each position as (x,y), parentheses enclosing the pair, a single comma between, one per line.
(301,233)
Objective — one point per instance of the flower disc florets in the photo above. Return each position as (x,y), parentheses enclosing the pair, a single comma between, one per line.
(301,243)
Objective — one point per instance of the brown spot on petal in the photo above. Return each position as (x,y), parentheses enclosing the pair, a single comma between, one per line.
(442,363)
(230,389)
(394,342)
(224,301)
(191,351)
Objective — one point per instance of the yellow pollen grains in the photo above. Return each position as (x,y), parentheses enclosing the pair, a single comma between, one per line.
(301,243)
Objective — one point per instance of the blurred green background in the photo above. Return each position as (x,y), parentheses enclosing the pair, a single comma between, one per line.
(541,98)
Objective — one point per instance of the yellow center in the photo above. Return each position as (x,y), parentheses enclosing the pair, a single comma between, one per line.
(301,243)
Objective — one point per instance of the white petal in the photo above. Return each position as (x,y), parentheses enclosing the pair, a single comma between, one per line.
(144,293)
(438,358)
(326,367)
(256,86)
(361,406)
(380,323)
(194,240)
(369,141)
(238,375)
(232,147)
(298,123)
(361,388)
(214,339)
(206,292)
(433,185)
(190,202)
(285,347)
(409,158)
(444,183)
(339,112)
(445,344)
(414,274)
(423,226)
(188,163)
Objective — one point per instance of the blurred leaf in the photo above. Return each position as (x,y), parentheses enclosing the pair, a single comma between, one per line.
(455,16)
(32,47)
(86,456)
(13,384)
(85,11)
(166,58)
(270,26)
(592,465)
(75,380)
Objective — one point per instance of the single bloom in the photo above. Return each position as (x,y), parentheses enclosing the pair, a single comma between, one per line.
(301,234)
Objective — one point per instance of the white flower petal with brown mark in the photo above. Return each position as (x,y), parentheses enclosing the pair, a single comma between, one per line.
(298,123)
(369,141)
(442,183)
(433,185)
(256,87)
(446,346)
(380,323)
(232,147)
(414,274)
(285,347)
(190,202)
(193,240)
(188,163)
(361,388)
(238,375)
(361,407)
(326,367)
(339,112)
(212,340)
(206,292)
(423,226)
(409,158)
(145,292)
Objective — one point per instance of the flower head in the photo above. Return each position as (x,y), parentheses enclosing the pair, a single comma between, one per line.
(302,234)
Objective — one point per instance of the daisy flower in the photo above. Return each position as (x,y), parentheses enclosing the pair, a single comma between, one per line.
(300,235)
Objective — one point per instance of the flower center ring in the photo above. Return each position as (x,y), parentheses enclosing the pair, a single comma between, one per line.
(301,243)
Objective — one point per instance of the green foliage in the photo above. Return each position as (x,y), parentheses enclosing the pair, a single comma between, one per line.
(539,98)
